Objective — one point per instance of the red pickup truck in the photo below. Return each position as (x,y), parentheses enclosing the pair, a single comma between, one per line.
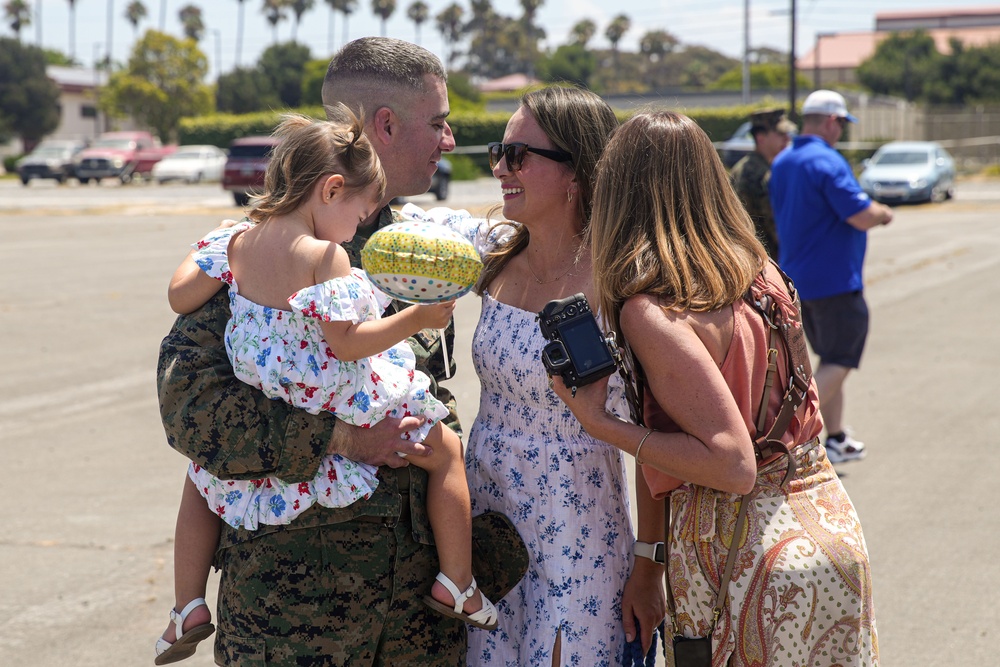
(120,155)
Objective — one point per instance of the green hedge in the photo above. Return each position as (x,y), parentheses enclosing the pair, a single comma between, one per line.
(470,128)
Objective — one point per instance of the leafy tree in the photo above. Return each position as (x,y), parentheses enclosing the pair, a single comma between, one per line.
(299,7)
(973,73)
(162,83)
(383,9)
(274,10)
(449,24)
(569,62)
(657,43)
(583,31)
(244,89)
(764,55)
(29,100)
(418,12)
(901,64)
(282,66)
(18,15)
(765,76)
(194,26)
(134,13)
(312,82)
(53,57)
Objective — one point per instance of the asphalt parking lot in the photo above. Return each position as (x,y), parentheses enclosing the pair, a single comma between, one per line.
(85,557)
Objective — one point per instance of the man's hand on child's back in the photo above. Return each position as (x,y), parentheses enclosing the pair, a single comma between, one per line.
(382,444)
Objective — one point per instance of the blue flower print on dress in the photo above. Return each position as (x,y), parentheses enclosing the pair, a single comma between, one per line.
(276,505)
(262,357)
(362,401)
(233,496)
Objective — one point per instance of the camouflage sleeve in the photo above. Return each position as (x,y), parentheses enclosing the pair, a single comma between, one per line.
(224,425)
(426,346)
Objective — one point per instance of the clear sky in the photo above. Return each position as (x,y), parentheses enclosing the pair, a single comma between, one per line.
(718,24)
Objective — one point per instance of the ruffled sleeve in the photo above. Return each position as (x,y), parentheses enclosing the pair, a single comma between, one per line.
(349,298)
(211,254)
(485,235)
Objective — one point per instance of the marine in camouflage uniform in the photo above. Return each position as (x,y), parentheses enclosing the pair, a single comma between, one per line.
(751,175)
(336,586)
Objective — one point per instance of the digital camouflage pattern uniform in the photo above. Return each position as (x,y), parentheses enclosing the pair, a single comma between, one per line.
(750,177)
(337,586)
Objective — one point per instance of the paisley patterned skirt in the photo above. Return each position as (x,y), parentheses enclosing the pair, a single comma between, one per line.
(801,590)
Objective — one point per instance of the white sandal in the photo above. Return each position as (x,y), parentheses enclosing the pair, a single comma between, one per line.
(486,618)
(187,642)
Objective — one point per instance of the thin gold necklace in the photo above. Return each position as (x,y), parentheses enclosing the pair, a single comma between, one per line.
(546,282)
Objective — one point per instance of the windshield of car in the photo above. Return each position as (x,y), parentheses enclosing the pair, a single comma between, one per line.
(123,144)
(902,158)
(250,150)
(49,151)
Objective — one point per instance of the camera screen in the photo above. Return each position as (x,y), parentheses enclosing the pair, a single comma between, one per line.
(585,344)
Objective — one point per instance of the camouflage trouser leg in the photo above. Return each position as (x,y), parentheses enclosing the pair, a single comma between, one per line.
(342,594)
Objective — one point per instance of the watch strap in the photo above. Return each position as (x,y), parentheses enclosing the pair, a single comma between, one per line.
(654,551)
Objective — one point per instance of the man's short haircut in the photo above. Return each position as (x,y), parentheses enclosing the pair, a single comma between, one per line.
(372,72)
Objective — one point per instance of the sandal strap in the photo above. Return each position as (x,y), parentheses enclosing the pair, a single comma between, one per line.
(459,596)
(179,618)
(488,615)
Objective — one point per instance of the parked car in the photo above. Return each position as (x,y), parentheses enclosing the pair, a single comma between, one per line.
(120,155)
(909,171)
(735,147)
(191,164)
(244,171)
(52,158)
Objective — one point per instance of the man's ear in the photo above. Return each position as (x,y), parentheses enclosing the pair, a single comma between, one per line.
(332,186)
(384,124)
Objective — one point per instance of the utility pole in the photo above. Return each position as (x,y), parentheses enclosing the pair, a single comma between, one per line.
(746,52)
(111,22)
(792,113)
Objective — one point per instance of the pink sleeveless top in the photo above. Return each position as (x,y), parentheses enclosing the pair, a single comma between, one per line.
(744,370)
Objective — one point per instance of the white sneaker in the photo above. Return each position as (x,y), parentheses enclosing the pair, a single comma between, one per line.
(848,450)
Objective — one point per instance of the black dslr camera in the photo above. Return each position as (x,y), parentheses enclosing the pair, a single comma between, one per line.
(577,350)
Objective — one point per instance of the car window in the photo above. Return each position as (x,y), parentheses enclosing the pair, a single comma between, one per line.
(901,158)
(250,150)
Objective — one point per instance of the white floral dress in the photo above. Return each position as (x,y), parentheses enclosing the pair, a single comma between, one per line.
(567,493)
(283,353)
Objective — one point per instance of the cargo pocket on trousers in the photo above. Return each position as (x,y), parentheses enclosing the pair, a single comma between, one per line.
(234,651)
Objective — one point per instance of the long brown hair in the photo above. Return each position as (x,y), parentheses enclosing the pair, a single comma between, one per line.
(577,121)
(667,222)
(313,148)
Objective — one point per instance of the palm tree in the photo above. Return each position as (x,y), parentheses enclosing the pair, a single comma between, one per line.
(299,7)
(275,12)
(18,14)
(383,9)
(135,12)
(72,29)
(418,13)
(449,24)
(329,27)
(616,30)
(239,33)
(345,7)
(194,26)
(583,32)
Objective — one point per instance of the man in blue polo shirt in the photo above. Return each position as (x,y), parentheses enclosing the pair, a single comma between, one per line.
(822,217)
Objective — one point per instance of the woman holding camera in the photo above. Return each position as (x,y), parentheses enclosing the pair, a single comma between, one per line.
(680,275)
(527,456)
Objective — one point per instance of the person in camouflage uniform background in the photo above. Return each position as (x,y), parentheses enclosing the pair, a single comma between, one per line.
(771,134)
(337,586)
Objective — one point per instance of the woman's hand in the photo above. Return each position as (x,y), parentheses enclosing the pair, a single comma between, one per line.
(588,406)
(644,599)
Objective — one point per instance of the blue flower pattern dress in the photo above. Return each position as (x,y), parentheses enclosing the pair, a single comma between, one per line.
(283,353)
(566,492)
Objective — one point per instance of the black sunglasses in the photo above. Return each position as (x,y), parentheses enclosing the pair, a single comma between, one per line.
(515,154)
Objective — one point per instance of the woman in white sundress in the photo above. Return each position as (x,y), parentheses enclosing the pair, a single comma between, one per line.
(527,456)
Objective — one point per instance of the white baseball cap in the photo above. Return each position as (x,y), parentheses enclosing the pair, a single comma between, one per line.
(827,103)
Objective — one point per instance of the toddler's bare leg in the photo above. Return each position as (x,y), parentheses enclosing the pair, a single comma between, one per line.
(196,537)
(450,512)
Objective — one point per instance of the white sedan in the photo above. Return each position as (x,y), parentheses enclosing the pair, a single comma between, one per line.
(191,164)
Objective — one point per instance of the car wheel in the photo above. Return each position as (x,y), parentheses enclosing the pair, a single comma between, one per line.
(83,180)
(25,180)
(241,198)
(441,193)
(125,179)
(197,178)
(60,178)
